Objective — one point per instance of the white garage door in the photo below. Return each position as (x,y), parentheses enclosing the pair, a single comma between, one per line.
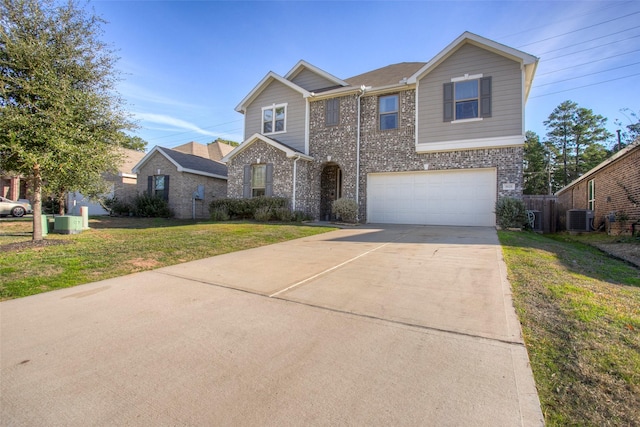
(460,197)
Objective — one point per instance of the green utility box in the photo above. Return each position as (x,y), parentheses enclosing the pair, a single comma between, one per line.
(68,224)
(45,225)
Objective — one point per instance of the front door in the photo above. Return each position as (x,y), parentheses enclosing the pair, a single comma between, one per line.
(330,189)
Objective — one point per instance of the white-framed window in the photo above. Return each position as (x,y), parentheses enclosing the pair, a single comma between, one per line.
(332,112)
(158,185)
(591,195)
(274,119)
(467,98)
(388,111)
(258,180)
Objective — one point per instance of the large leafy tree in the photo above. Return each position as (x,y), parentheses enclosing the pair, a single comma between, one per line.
(536,164)
(570,131)
(61,119)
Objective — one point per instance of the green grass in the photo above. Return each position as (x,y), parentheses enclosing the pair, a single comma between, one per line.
(580,314)
(118,246)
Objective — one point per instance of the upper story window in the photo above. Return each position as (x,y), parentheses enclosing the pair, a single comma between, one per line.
(332,112)
(388,110)
(274,119)
(467,97)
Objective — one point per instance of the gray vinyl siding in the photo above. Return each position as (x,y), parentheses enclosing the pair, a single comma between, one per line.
(310,81)
(506,117)
(277,93)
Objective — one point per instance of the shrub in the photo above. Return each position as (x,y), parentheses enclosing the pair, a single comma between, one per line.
(299,216)
(345,209)
(151,207)
(247,208)
(262,214)
(511,213)
(282,214)
(220,214)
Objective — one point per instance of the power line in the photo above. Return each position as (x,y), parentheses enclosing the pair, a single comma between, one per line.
(591,48)
(580,87)
(587,63)
(587,41)
(586,75)
(564,20)
(580,29)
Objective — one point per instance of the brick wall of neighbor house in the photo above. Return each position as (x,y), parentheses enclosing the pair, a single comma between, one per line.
(125,188)
(181,187)
(282,173)
(394,150)
(617,189)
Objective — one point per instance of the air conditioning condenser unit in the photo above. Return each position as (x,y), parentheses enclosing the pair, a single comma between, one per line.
(580,220)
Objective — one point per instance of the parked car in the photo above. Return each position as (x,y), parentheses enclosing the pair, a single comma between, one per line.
(17,209)
(27,204)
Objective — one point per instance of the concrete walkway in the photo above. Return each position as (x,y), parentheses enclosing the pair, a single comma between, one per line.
(395,325)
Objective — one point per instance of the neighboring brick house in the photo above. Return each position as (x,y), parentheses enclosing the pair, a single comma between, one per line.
(611,191)
(122,186)
(416,143)
(13,187)
(188,182)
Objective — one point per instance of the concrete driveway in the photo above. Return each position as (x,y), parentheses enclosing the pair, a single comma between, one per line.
(393,325)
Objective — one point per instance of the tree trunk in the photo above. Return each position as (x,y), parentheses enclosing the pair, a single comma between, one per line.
(62,202)
(37,204)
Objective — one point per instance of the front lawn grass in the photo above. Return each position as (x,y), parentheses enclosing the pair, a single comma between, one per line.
(580,314)
(118,246)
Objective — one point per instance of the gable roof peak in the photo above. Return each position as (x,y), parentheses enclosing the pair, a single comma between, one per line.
(266,80)
(302,64)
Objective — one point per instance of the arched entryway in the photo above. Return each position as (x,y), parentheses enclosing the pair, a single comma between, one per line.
(330,189)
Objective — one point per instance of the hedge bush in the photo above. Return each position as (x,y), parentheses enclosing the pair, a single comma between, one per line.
(345,209)
(151,206)
(247,208)
(511,213)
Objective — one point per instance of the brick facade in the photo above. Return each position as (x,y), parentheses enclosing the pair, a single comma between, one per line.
(394,150)
(182,185)
(617,190)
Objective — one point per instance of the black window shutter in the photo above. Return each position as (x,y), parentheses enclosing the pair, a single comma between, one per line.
(332,113)
(165,194)
(150,185)
(246,182)
(268,188)
(485,97)
(448,102)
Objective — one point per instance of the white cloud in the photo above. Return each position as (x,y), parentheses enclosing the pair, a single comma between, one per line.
(174,123)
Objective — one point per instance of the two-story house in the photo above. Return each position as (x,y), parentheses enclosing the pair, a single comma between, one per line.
(433,142)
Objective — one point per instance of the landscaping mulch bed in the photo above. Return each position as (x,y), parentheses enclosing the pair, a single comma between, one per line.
(628,252)
(31,244)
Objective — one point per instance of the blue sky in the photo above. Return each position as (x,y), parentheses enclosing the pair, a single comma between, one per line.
(187,64)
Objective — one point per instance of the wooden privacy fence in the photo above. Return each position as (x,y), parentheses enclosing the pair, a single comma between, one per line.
(545,208)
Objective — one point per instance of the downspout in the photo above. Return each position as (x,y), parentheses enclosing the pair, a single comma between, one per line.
(363,89)
(295,177)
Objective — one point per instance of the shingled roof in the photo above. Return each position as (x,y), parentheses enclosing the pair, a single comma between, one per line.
(386,76)
(187,163)
(190,162)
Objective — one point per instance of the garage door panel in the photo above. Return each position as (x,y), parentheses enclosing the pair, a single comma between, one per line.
(460,197)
